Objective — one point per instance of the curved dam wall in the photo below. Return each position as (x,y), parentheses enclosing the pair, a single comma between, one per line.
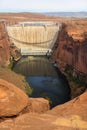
(34,37)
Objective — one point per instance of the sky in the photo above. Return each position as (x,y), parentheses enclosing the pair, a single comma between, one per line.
(43,5)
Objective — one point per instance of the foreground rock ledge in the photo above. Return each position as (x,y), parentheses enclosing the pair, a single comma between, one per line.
(69,116)
(12,99)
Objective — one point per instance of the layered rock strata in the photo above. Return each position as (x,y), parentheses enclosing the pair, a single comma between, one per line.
(4,45)
(71,51)
(7,49)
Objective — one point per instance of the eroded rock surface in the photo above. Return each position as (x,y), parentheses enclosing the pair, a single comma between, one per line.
(76,106)
(6,48)
(72,50)
(69,116)
(14,78)
(4,45)
(12,99)
(37,105)
(72,47)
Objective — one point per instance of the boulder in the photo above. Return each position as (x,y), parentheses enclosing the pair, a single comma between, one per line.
(12,99)
(69,116)
(37,105)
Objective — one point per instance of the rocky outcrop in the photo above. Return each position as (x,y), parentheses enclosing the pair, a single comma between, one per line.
(76,106)
(72,49)
(12,99)
(4,45)
(71,55)
(37,105)
(14,78)
(69,116)
(6,48)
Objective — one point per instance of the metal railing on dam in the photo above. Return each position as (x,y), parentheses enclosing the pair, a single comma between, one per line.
(34,38)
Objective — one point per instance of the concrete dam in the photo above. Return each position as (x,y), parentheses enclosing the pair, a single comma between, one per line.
(34,38)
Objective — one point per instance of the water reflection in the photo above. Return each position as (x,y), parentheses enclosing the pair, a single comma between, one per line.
(44,80)
(35,66)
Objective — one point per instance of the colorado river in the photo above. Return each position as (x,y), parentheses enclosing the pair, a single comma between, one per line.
(44,79)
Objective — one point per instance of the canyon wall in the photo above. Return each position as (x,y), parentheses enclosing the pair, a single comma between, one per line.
(6,48)
(72,50)
(4,45)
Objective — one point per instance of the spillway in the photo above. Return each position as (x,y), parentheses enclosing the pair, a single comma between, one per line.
(34,38)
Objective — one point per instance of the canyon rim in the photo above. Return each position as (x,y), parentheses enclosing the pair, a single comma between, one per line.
(20,112)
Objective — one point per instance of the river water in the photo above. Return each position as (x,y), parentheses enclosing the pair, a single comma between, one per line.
(44,78)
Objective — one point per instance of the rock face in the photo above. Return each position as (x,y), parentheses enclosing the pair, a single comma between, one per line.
(12,99)
(14,78)
(6,48)
(72,48)
(4,45)
(76,107)
(69,116)
(37,105)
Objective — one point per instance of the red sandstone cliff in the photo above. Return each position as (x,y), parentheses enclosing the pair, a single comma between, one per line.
(72,115)
(72,41)
(69,116)
(6,48)
(4,45)
(72,48)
